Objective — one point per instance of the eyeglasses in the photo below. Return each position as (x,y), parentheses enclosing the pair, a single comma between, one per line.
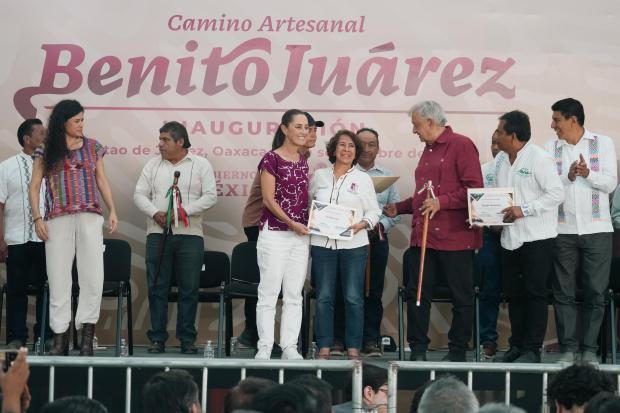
(384,390)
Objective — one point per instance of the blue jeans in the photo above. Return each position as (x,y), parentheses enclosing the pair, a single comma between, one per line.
(489,258)
(183,256)
(373,307)
(351,264)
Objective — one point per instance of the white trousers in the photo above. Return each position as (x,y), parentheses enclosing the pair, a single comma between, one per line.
(283,263)
(70,235)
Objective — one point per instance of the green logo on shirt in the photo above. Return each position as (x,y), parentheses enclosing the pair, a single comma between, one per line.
(524,173)
(490,177)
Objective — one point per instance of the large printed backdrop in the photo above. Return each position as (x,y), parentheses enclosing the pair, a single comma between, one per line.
(230,69)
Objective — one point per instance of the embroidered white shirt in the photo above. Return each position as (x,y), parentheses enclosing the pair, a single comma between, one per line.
(353,189)
(196,184)
(580,202)
(538,191)
(488,172)
(15,176)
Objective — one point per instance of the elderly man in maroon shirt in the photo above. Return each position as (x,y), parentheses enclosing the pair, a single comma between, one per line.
(451,162)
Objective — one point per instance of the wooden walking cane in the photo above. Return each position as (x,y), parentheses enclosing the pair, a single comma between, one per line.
(428,188)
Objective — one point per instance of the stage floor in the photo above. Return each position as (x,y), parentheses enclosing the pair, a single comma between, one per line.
(247,353)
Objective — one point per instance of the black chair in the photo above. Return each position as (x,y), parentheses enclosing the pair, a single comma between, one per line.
(116,284)
(440,295)
(612,297)
(4,289)
(245,276)
(309,295)
(215,272)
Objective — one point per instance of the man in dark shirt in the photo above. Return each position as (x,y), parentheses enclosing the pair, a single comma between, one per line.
(451,162)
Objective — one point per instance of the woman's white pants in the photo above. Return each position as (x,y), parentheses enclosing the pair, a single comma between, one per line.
(283,263)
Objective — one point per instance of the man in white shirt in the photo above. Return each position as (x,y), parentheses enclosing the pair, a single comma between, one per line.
(527,246)
(586,164)
(20,248)
(490,262)
(185,248)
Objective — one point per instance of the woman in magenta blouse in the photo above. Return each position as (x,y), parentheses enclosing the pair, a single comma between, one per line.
(72,166)
(283,243)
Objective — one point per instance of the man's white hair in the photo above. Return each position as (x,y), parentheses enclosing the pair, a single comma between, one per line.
(448,395)
(429,109)
(500,408)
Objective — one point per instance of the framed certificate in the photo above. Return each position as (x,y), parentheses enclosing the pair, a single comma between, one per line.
(486,205)
(331,220)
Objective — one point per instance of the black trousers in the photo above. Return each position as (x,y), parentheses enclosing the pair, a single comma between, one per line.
(250,303)
(524,278)
(456,268)
(25,263)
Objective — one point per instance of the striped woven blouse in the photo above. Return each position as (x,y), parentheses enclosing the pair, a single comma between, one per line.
(74,188)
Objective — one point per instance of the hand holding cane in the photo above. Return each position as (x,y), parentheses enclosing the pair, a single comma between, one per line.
(429,192)
(162,245)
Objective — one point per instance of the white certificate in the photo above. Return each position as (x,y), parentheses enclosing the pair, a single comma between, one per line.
(486,205)
(331,220)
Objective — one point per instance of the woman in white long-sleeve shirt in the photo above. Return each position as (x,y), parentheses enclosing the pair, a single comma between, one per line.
(345,185)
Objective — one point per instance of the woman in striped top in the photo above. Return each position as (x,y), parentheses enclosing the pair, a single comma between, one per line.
(74,175)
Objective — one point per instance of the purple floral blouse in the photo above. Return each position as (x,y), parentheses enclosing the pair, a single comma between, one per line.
(291,190)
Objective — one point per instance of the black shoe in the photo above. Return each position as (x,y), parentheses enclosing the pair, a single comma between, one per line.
(511,355)
(455,356)
(48,345)
(157,347)
(528,356)
(248,338)
(417,355)
(188,347)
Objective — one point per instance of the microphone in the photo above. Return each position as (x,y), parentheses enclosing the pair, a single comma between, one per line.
(176,177)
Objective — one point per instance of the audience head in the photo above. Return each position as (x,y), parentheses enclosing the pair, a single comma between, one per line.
(374,385)
(293,126)
(344,147)
(448,395)
(573,387)
(74,404)
(31,134)
(173,391)
(568,118)
(415,402)
(500,408)
(285,398)
(429,120)
(240,396)
(604,402)
(320,389)
(513,131)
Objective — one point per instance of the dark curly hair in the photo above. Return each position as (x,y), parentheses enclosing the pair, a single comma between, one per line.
(577,384)
(331,145)
(56,148)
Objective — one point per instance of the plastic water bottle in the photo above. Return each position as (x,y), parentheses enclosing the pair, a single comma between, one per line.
(234,347)
(124,349)
(37,346)
(70,345)
(312,351)
(209,351)
(95,343)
